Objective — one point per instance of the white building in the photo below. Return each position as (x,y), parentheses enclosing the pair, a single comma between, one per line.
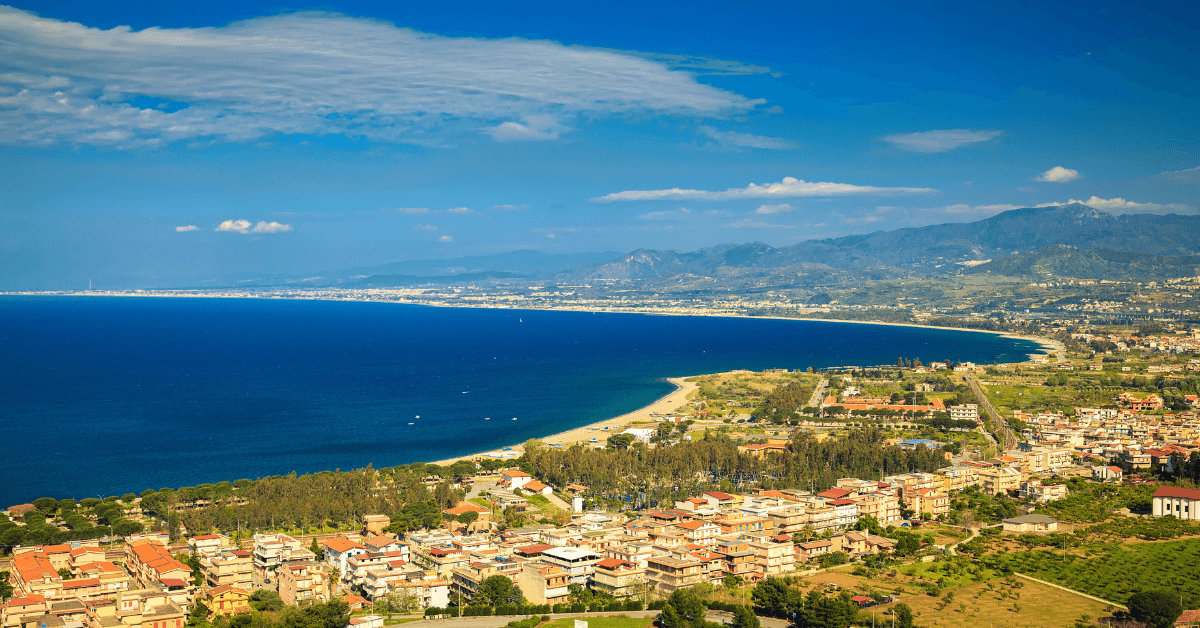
(1183,503)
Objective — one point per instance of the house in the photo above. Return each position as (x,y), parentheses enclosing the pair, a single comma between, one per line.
(356,603)
(1036,491)
(537,487)
(1183,503)
(994,480)
(375,524)
(226,600)
(338,551)
(699,532)
(577,563)
(1107,473)
(304,582)
(514,479)
(1031,523)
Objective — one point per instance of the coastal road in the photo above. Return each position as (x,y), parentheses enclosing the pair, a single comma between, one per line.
(818,393)
(497,622)
(1010,439)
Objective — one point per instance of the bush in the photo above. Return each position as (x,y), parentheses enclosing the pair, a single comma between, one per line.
(633,605)
(432,611)
(477,611)
(656,605)
(507,609)
(579,607)
(561,608)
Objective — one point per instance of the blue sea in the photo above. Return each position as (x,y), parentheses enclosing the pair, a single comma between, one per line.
(108,395)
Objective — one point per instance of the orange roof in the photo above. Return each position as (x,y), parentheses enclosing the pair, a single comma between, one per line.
(534,485)
(341,544)
(28,600)
(515,474)
(691,525)
(612,563)
(462,507)
(81,582)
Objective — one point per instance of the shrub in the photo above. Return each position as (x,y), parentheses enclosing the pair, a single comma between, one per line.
(656,605)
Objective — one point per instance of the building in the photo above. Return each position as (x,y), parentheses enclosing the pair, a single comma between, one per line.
(1037,491)
(618,578)
(543,583)
(226,600)
(304,582)
(514,479)
(965,412)
(229,568)
(1031,523)
(699,532)
(577,563)
(670,572)
(995,480)
(375,524)
(272,550)
(1182,503)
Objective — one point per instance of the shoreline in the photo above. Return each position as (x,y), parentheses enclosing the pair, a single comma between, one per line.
(1047,344)
(584,433)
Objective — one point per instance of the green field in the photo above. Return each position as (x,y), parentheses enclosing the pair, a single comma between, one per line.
(602,622)
(1115,571)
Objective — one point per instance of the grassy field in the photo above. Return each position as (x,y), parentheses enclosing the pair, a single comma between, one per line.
(615,621)
(1115,571)
(969,599)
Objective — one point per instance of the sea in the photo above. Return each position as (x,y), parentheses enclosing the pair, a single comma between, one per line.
(109,395)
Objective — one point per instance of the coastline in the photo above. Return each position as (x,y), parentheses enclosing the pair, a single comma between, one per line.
(601,430)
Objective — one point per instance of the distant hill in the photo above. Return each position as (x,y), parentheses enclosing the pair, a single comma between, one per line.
(397,281)
(1066,261)
(930,249)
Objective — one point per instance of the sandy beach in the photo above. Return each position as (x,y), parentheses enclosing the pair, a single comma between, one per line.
(664,405)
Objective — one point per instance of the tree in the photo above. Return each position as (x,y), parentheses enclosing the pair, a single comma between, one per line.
(1155,608)
(743,617)
(6,587)
(316,549)
(46,504)
(496,591)
(903,614)
(265,600)
(468,517)
(670,618)
(688,606)
(64,573)
(620,441)
(664,429)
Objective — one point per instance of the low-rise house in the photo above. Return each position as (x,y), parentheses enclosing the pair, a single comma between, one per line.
(699,532)
(1030,523)
(514,479)
(577,563)
(669,573)
(272,550)
(1037,491)
(1106,473)
(995,480)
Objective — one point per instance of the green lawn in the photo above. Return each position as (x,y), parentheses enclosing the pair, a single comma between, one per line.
(603,622)
(539,500)
(1116,571)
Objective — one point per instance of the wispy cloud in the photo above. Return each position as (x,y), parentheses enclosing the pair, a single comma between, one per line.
(445,238)
(421,227)
(675,214)
(734,139)
(314,73)
(781,208)
(1058,174)
(1119,205)
(245,226)
(426,210)
(411,210)
(510,208)
(459,210)
(940,141)
(787,188)
(1190,175)
(753,223)
(187,228)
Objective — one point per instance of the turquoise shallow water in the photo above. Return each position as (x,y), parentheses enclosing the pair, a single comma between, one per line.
(112,395)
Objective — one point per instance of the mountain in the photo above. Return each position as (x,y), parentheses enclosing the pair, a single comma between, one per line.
(1066,261)
(931,249)
(526,262)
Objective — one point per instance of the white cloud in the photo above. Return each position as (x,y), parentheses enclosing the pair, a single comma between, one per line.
(459,210)
(1058,174)
(421,227)
(445,238)
(940,141)
(239,226)
(187,228)
(773,209)
(787,188)
(752,223)
(510,208)
(245,226)
(314,73)
(535,129)
(270,227)
(734,139)
(412,210)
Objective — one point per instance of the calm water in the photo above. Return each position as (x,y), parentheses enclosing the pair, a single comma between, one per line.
(113,395)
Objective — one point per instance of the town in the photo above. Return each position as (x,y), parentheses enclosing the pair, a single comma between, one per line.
(964,476)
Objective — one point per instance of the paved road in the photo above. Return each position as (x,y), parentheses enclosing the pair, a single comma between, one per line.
(1010,439)
(818,393)
(497,622)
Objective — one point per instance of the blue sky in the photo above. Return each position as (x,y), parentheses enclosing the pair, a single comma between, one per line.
(150,140)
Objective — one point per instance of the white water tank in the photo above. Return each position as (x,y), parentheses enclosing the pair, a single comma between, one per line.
(577,504)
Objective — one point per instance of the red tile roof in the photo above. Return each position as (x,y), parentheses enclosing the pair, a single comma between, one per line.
(1177,491)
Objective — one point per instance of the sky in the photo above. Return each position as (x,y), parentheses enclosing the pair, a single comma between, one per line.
(141,142)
